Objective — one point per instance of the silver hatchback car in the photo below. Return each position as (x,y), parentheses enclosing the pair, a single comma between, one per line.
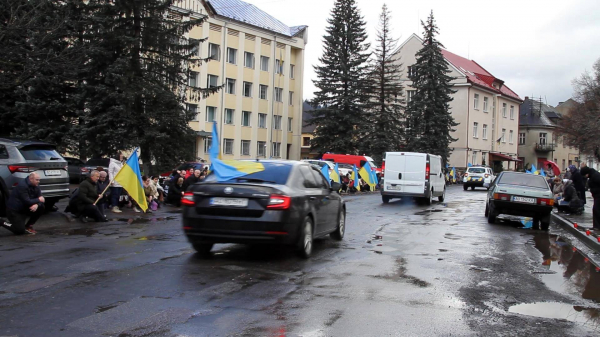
(19,158)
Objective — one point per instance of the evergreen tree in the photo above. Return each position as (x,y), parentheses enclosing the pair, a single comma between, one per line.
(342,81)
(385,128)
(428,117)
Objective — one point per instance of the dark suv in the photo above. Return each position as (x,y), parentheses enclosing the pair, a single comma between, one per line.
(19,158)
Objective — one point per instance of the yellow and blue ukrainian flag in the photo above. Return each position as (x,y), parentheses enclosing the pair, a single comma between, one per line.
(367,174)
(355,176)
(229,169)
(336,174)
(325,171)
(130,178)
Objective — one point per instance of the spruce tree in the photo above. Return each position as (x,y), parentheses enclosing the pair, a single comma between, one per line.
(428,117)
(384,130)
(342,81)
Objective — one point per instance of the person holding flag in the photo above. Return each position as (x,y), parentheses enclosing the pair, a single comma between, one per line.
(130,179)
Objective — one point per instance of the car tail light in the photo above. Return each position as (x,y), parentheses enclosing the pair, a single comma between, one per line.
(21,168)
(486,175)
(545,202)
(278,201)
(501,196)
(427,171)
(466,174)
(188,199)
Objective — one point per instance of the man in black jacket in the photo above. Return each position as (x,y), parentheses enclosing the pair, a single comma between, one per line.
(593,177)
(191,180)
(25,206)
(88,194)
(578,182)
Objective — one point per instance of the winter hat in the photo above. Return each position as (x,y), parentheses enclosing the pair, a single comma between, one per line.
(586,170)
(565,181)
(572,168)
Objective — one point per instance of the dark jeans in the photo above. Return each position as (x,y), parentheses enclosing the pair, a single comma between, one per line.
(94,212)
(596,212)
(21,220)
(115,193)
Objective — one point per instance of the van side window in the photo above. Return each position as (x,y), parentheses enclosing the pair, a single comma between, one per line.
(3,152)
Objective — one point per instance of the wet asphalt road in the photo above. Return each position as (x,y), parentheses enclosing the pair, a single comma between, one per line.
(402,269)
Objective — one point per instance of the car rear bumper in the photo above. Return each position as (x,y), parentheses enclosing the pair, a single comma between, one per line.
(273,227)
(519,209)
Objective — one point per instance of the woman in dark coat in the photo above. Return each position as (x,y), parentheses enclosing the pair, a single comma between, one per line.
(578,183)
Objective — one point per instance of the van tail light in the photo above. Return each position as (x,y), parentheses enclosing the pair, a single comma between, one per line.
(486,175)
(278,201)
(501,196)
(466,174)
(545,202)
(21,168)
(427,171)
(188,199)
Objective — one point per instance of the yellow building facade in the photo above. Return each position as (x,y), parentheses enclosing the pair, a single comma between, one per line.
(259,61)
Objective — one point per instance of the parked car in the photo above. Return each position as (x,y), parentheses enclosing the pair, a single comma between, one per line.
(77,170)
(95,163)
(411,174)
(288,203)
(320,163)
(520,194)
(19,158)
(478,176)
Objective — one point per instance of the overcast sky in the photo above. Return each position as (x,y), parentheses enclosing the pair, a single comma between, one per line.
(536,47)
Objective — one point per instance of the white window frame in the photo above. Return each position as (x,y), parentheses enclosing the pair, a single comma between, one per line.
(262,121)
(278,94)
(230,86)
(476,102)
(228,142)
(264,63)
(207,144)
(276,122)
(291,98)
(409,95)
(193,108)
(510,136)
(249,63)
(292,71)
(522,138)
(503,140)
(474,158)
(485,104)
(484,131)
(261,149)
(214,51)
(214,79)
(247,89)
(197,44)
(290,121)
(214,113)
(544,139)
(249,114)
(263,91)
(193,79)
(279,64)
(276,150)
(503,110)
(231,52)
(231,119)
(247,147)
(512,112)
(475,129)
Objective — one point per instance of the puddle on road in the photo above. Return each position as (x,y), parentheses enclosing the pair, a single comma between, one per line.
(556,310)
(564,269)
(162,237)
(104,308)
(140,220)
(429,211)
(82,231)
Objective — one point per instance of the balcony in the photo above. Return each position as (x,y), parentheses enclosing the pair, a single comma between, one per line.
(544,147)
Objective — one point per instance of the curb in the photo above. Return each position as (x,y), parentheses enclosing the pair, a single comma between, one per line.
(585,234)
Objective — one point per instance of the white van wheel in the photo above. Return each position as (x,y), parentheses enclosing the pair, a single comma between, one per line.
(443,196)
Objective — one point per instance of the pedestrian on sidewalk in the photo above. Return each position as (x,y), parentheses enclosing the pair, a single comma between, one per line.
(25,206)
(115,165)
(593,177)
(88,194)
(578,182)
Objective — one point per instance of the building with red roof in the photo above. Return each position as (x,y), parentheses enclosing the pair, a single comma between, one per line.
(486,109)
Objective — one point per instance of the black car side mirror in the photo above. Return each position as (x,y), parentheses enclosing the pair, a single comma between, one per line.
(335,186)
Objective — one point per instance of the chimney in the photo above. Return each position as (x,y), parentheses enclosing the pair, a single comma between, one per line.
(526,97)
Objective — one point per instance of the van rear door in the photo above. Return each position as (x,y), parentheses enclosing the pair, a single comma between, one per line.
(394,170)
(413,178)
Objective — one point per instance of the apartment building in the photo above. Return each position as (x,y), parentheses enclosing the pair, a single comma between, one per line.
(260,62)
(486,109)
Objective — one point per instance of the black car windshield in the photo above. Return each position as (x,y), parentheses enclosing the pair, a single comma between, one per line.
(40,152)
(98,162)
(528,180)
(276,173)
(477,170)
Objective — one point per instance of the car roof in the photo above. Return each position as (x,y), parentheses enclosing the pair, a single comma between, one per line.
(23,142)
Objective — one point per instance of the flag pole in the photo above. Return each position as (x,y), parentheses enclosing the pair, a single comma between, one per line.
(110,183)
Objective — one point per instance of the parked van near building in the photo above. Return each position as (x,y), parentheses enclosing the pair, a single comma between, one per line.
(411,174)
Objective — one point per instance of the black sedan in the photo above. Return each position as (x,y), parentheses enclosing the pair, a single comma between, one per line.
(288,203)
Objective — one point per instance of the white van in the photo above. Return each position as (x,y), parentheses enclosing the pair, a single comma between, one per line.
(410,174)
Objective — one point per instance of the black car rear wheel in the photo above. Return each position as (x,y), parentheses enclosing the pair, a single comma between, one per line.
(536,223)
(305,243)
(491,215)
(341,227)
(2,204)
(203,249)
(545,225)
(465,187)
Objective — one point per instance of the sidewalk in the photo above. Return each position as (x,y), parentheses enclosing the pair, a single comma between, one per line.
(581,225)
